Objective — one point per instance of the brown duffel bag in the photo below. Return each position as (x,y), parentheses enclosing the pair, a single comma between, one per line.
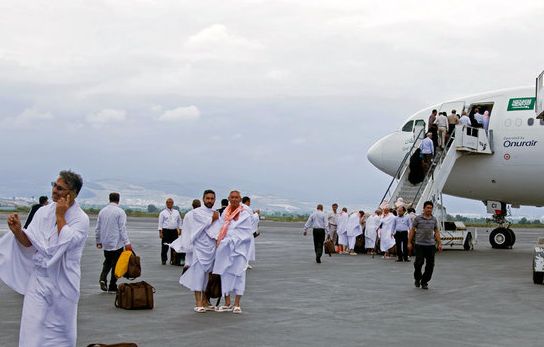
(122,344)
(329,246)
(134,296)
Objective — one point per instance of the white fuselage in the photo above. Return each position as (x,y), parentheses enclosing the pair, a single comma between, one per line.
(511,174)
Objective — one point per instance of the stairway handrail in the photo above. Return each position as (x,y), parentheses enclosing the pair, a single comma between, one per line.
(431,169)
(401,166)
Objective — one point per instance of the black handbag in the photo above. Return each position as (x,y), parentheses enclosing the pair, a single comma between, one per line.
(213,289)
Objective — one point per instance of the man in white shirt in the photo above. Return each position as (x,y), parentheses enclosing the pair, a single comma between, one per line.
(111,236)
(332,220)
(479,117)
(169,230)
(43,263)
(464,120)
(318,222)
(442,124)
(427,150)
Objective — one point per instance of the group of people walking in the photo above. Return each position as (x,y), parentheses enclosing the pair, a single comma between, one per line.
(386,231)
(42,261)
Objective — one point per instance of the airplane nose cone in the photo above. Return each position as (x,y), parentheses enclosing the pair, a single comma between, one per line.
(375,154)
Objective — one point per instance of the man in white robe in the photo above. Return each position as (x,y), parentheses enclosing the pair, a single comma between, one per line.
(371,230)
(43,261)
(198,240)
(354,229)
(341,230)
(246,202)
(387,238)
(233,251)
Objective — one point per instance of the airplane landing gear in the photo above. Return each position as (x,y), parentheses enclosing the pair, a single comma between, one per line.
(502,237)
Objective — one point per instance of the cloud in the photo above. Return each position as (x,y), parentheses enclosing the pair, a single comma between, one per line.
(216,42)
(218,35)
(180,114)
(278,74)
(299,141)
(106,116)
(30,116)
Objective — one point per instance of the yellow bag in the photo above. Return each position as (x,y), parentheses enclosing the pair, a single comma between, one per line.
(122,264)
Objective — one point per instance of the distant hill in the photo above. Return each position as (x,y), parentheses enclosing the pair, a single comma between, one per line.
(139,196)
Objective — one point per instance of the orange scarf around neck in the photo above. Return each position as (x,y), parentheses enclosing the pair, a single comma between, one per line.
(229,214)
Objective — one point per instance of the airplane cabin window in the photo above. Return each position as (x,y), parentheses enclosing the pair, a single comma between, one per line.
(530,122)
(408,126)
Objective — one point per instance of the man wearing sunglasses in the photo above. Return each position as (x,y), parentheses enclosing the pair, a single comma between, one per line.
(43,262)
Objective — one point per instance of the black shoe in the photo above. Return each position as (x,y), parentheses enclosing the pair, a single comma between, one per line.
(318,260)
(424,286)
(112,289)
(164,262)
(398,261)
(103,286)
(407,260)
(416,283)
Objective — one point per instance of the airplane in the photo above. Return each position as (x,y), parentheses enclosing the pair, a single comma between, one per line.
(504,170)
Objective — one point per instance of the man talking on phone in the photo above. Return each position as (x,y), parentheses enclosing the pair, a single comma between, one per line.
(43,262)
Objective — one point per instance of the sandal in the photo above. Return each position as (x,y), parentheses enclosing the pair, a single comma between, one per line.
(224,308)
(199,309)
(210,308)
(237,309)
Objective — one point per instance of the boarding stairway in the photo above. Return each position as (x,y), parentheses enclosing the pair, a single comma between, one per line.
(467,141)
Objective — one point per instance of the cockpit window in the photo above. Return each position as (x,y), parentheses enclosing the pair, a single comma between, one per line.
(408,126)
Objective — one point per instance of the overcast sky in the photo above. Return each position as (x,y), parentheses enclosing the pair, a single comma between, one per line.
(278,97)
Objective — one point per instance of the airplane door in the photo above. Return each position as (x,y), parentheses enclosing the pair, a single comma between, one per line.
(458,106)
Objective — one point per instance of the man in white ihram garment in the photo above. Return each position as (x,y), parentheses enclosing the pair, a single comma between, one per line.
(387,239)
(341,231)
(198,240)
(371,231)
(233,251)
(43,262)
(354,229)
(246,203)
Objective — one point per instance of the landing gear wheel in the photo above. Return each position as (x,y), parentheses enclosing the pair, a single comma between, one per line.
(467,245)
(500,238)
(538,277)
(512,236)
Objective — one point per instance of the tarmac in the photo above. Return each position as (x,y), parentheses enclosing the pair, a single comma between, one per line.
(483,297)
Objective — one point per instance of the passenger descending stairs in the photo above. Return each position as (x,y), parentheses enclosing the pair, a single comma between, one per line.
(467,140)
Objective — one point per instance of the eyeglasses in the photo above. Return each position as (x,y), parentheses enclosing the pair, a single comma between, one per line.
(58,187)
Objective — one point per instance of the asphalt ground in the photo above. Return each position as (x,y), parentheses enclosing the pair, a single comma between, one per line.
(483,297)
